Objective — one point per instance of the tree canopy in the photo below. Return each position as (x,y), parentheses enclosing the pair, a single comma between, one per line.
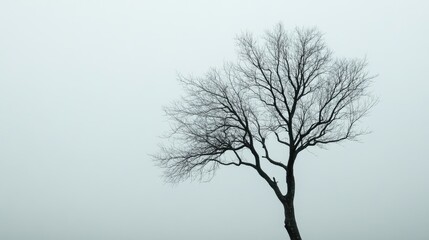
(287,86)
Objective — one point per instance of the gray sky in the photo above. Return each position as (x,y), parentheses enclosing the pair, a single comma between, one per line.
(82,85)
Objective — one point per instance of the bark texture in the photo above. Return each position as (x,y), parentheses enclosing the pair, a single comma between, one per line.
(289,209)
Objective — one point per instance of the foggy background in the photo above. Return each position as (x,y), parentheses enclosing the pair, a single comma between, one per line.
(82,85)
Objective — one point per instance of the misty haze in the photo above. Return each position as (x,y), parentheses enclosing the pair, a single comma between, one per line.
(90,91)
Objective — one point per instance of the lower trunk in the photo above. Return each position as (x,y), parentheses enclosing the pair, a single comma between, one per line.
(290,222)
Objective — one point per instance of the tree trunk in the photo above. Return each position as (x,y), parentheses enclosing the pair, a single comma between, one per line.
(290,222)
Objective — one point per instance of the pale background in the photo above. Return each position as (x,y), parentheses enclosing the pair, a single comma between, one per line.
(82,85)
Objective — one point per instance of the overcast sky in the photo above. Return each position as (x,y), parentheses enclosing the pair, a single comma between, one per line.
(82,85)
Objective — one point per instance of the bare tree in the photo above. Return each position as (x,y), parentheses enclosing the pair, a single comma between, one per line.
(285,89)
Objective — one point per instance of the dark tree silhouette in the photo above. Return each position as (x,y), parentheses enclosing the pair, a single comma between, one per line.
(285,89)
